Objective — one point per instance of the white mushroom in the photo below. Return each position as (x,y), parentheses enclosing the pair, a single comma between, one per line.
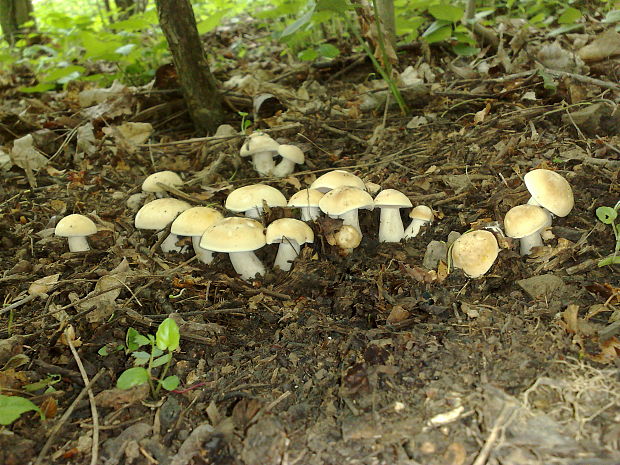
(291,155)
(550,191)
(475,252)
(524,222)
(249,199)
(307,200)
(262,149)
(390,201)
(168,178)
(239,238)
(337,178)
(157,215)
(291,234)
(344,202)
(420,216)
(193,222)
(76,228)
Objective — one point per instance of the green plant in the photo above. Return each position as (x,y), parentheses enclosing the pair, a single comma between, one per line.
(245,123)
(12,407)
(608,215)
(165,341)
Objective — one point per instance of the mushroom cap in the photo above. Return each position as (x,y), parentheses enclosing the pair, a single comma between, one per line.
(159,213)
(475,252)
(234,234)
(347,237)
(289,228)
(169,178)
(421,212)
(195,221)
(291,152)
(344,199)
(258,142)
(523,220)
(392,198)
(75,225)
(337,178)
(248,197)
(550,190)
(224,130)
(306,198)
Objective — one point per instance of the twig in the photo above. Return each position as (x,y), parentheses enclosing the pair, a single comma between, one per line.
(65,417)
(19,303)
(502,421)
(94,455)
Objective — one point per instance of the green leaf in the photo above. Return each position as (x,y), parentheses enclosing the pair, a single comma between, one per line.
(170,383)
(611,260)
(606,215)
(134,340)
(207,25)
(465,50)
(308,54)
(168,335)
(298,24)
(161,360)
(569,16)
(548,82)
(339,6)
(328,51)
(445,12)
(42,87)
(12,407)
(43,383)
(125,49)
(103,351)
(612,17)
(132,377)
(438,31)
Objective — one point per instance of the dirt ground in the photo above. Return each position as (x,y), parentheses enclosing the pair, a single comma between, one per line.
(383,356)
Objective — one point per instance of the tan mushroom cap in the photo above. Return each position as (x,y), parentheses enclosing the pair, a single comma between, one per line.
(392,198)
(248,197)
(170,178)
(421,212)
(289,228)
(523,220)
(75,225)
(234,235)
(550,190)
(347,237)
(345,199)
(337,178)
(475,252)
(159,213)
(291,152)
(258,142)
(195,221)
(306,198)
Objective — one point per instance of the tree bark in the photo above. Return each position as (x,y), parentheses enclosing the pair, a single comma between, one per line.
(198,85)
(14,13)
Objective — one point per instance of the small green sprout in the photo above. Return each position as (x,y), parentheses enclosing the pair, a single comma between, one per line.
(608,215)
(165,341)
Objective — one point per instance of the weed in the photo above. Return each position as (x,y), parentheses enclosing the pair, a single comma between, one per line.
(608,215)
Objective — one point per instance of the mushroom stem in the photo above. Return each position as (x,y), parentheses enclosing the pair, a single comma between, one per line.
(78,244)
(246,264)
(549,216)
(287,253)
(283,168)
(529,242)
(254,213)
(350,218)
(391,227)
(263,163)
(310,213)
(204,255)
(170,243)
(414,228)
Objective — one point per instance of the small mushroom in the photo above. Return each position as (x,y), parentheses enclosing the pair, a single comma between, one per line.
(344,202)
(76,228)
(420,216)
(475,252)
(337,178)
(291,234)
(249,199)
(550,191)
(239,238)
(157,215)
(291,155)
(193,222)
(262,149)
(346,239)
(390,201)
(524,222)
(168,178)
(307,200)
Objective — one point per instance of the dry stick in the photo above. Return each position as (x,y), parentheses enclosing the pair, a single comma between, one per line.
(65,417)
(504,418)
(94,454)
(20,302)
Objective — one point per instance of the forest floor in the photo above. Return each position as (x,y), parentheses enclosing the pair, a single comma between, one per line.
(379,357)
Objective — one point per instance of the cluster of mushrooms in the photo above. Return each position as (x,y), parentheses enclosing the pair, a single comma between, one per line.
(338,194)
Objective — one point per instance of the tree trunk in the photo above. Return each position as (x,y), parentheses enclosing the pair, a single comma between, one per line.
(388,20)
(204,103)
(13,14)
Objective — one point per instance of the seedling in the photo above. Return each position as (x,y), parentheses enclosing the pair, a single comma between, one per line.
(608,215)
(165,341)
(12,407)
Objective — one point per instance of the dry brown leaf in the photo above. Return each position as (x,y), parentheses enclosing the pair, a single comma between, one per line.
(482,114)
(116,398)
(610,350)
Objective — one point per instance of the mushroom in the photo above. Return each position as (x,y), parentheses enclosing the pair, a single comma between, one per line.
(262,149)
(291,155)
(152,182)
(390,201)
(308,201)
(291,234)
(76,228)
(525,222)
(337,178)
(157,215)
(239,238)
(193,222)
(249,199)
(346,238)
(475,252)
(550,191)
(344,202)
(420,216)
